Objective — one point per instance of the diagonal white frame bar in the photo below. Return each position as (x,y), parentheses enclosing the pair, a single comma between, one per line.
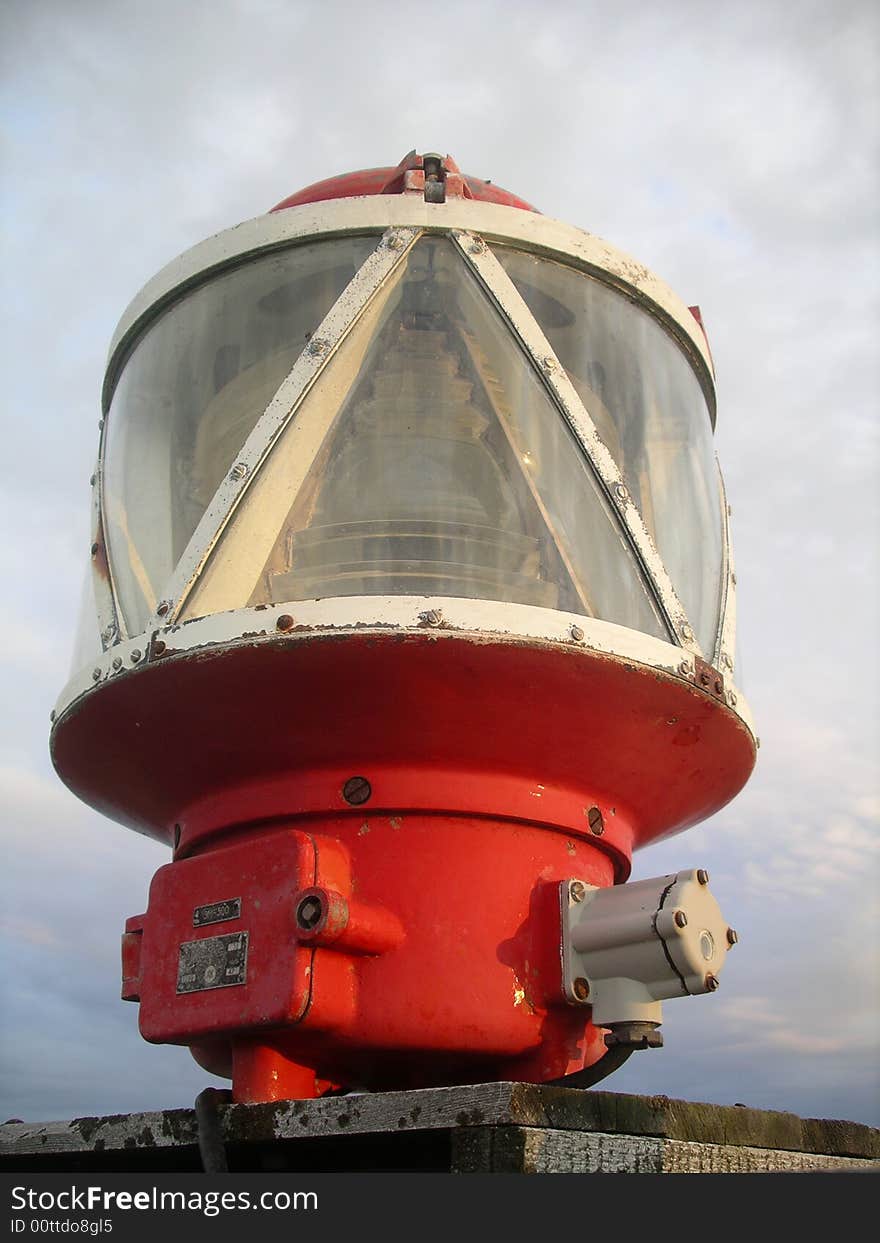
(725,645)
(393,248)
(501,288)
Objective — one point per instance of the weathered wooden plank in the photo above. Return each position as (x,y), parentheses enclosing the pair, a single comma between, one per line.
(526,1106)
(536,1150)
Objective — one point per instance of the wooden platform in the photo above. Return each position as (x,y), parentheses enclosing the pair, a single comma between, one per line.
(494,1128)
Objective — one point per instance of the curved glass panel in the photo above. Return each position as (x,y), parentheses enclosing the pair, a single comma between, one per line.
(428,459)
(87,647)
(189,396)
(646,402)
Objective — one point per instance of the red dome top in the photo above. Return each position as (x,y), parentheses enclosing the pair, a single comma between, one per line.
(433,176)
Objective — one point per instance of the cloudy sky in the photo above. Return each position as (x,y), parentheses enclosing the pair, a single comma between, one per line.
(733,149)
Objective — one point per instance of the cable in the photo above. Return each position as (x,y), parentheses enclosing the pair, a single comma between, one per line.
(211,1147)
(606,1065)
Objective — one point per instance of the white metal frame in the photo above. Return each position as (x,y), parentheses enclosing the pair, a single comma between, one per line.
(400,220)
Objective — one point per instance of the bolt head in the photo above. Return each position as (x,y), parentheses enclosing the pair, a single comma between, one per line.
(712,983)
(595,821)
(702,876)
(581,988)
(96,675)
(687,634)
(732,936)
(284,622)
(680,919)
(163,607)
(431,617)
(621,492)
(135,655)
(356,790)
(578,890)
(117,662)
(52,716)
(684,668)
(238,471)
(576,633)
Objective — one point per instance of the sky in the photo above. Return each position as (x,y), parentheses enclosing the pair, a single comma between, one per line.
(733,150)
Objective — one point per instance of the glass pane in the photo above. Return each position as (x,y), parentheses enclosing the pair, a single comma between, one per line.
(87,643)
(428,460)
(190,395)
(648,407)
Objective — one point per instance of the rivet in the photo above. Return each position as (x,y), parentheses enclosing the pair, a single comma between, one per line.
(238,471)
(317,346)
(158,648)
(684,668)
(576,633)
(732,936)
(702,876)
(135,655)
(680,919)
(719,686)
(687,634)
(396,241)
(284,622)
(96,675)
(704,678)
(711,983)
(595,821)
(578,890)
(581,988)
(549,363)
(620,492)
(356,790)
(163,607)
(117,662)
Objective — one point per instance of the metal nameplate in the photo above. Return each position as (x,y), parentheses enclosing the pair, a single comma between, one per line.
(217,912)
(215,962)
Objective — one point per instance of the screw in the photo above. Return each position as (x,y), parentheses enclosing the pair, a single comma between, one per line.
(732,699)
(108,634)
(704,678)
(684,668)
(317,346)
(356,791)
(309,912)
(576,633)
(96,675)
(702,876)
(92,480)
(158,648)
(687,634)
(396,241)
(597,824)
(621,492)
(94,549)
(52,716)
(163,607)
(680,919)
(431,617)
(284,622)
(238,471)
(732,936)
(549,363)
(726,662)
(581,988)
(719,686)
(476,247)
(135,655)
(711,983)
(117,662)
(578,890)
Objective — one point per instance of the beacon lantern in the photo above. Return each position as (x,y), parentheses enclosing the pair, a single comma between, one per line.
(410,616)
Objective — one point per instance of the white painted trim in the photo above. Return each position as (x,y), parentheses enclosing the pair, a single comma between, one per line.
(376,213)
(439,616)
